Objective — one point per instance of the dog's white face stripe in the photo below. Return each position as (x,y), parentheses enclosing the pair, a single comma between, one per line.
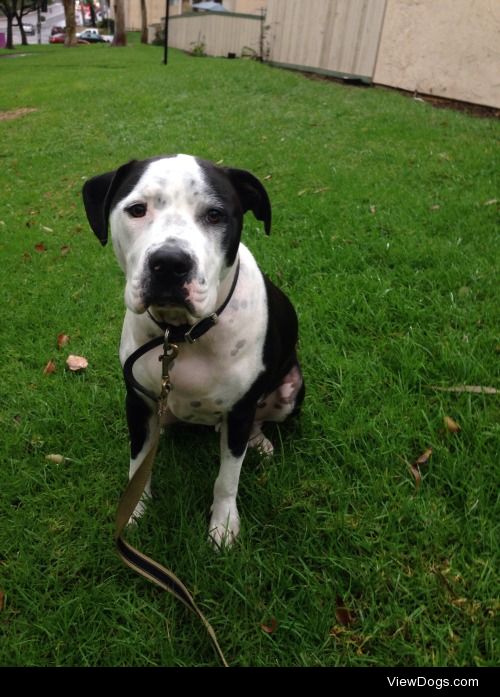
(177,196)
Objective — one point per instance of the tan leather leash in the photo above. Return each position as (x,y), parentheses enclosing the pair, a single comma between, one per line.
(143,565)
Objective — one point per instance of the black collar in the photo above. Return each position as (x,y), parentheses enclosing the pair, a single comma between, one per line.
(192,332)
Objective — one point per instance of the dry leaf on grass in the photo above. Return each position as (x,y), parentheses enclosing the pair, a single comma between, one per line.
(62,340)
(15,113)
(40,247)
(2,600)
(76,363)
(415,466)
(271,627)
(424,458)
(451,425)
(49,368)
(342,614)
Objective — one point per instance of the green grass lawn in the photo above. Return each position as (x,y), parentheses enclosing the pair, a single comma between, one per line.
(386,238)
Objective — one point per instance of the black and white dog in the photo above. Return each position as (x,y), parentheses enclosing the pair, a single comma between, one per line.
(176,224)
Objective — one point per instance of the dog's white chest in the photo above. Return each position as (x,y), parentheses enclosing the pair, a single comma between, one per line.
(208,378)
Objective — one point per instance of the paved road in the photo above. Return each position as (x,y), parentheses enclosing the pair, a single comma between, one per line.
(54,16)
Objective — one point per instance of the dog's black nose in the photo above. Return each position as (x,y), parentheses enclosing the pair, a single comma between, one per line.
(171,264)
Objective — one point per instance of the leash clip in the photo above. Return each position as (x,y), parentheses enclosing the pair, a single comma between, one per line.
(170,352)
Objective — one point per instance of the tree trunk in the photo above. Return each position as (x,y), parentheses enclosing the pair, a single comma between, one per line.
(69,14)
(92,14)
(120,35)
(10,38)
(19,20)
(144,23)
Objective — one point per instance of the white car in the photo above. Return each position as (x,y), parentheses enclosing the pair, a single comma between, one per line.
(93,36)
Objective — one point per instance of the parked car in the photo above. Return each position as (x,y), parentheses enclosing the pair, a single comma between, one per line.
(61,38)
(93,36)
(29,28)
(57,29)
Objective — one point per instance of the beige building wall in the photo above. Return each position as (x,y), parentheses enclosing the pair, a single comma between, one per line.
(448,48)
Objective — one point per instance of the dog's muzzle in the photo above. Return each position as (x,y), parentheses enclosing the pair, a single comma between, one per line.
(168,272)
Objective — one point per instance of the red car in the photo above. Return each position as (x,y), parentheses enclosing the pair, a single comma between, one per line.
(60,39)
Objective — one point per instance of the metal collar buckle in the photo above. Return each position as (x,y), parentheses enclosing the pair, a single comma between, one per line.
(210,320)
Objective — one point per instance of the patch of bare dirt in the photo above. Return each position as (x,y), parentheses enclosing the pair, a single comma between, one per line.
(15,113)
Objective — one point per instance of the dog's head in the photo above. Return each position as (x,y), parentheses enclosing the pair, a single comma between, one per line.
(175,225)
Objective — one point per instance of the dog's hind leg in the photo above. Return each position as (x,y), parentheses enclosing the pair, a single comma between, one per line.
(258,440)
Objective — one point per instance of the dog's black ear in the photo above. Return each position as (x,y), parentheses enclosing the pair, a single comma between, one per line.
(98,194)
(252,195)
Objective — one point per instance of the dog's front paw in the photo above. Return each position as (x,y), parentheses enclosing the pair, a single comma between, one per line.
(224,525)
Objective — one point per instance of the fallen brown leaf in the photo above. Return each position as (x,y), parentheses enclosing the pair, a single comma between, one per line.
(342,614)
(415,466)
(40,247)
(62,340)
(65,249)
(49,368)
(451,425)
(76,363)
(2,600)
(416,475)
(424,458)
(271,627)
(268,177)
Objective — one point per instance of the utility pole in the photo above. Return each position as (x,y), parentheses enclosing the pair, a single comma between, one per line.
(165,38)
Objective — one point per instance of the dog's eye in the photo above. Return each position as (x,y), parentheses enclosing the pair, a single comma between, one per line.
(137,210)
(214,216)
